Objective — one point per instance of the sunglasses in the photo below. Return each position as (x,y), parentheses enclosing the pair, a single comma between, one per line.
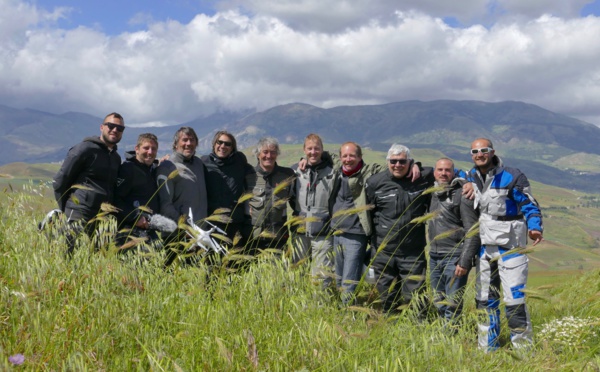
(224,143)
(401,161)
(111,126)
(483,150)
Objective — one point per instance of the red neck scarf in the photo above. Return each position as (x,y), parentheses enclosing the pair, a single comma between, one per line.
(350,172)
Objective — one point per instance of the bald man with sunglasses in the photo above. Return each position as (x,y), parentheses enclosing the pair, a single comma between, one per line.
(508,213)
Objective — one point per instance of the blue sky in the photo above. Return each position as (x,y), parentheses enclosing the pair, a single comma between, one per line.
(170,61)
(114,17)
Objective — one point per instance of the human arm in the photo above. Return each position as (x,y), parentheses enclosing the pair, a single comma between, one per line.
(415,171)
(166,182)
(471,241)
(529,207)
(68,173)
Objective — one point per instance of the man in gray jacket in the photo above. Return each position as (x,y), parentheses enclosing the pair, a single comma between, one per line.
(452,246)
(185,190)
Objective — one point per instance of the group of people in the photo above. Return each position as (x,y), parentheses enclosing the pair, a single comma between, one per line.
(347,215)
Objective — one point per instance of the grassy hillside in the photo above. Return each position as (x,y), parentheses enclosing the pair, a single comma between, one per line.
(100,312)
(572,219)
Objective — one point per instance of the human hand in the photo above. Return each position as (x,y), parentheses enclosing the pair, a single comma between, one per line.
(460,271)
(142,223)
(415,173)
(536,236)
(468,190)
(302,165)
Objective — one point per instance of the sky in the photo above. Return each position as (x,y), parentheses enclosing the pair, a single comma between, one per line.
(164,62)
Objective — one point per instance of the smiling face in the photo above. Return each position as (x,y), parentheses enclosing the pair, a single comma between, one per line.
(223,146)
(186,145)
(350,157)
(313,151)
(145,152)
(399,165)
(483,161)
(267,157)
(111,130)
(444,171)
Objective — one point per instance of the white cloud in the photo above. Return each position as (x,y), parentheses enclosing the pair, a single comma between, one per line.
(173,72)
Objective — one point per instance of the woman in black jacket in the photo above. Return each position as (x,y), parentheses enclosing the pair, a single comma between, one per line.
(225,172)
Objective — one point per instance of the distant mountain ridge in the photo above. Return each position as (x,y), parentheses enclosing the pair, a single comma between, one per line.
(533,136)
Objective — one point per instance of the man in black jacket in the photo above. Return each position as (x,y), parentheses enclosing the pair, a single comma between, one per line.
(452,247)
(92,164)
(396,201)
(136,192)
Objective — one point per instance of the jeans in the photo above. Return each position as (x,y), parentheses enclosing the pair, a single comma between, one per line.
(319,248)
(350,250)
(448,288)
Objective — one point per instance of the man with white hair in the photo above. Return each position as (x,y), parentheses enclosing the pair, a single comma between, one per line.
(271,188)
(396,201)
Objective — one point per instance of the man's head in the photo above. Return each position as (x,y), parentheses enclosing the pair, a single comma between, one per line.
(224,144)
(313,149)
(350,155)
(399,160)
(482,153)
(111,129)
(185,141)
(146,148)
(444,171)
(266,152)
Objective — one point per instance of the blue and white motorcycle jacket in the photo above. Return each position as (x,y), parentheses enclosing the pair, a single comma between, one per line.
(507,207)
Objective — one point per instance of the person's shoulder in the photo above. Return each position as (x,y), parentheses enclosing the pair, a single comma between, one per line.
(378,177)
(286,170)
(165,165)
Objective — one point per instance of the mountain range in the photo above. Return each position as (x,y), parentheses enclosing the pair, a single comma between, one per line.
(549,147)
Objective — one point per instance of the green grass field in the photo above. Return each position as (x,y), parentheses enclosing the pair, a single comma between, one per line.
(101,312)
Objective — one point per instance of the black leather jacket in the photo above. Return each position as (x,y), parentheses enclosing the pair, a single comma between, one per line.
(90,164)
(396,202)
(447,231)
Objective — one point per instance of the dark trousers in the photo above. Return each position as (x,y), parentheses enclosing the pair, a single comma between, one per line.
(399,279)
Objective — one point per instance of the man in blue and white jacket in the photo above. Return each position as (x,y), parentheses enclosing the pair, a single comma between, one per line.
(508,213)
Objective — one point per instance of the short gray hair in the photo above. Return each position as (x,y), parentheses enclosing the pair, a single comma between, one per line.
(398,149)
(266,142)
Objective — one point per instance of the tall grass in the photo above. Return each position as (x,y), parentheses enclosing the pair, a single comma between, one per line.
(103,312)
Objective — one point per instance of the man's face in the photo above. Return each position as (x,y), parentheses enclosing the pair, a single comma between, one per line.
(443,172)
(313,151)
(223,146)
(145,152)
(111,130)
(349,156)
(186,145)
(399,165)
(482,160)
(267,157)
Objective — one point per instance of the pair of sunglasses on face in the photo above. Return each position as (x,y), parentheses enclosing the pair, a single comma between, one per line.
(483,150)
(111,126)
(224,143)
(398,161)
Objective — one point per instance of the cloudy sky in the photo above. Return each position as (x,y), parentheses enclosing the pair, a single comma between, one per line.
(170,61)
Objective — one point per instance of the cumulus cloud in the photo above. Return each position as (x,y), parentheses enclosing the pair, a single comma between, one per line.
(173,72)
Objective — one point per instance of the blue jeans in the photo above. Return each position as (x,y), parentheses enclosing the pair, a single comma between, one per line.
(448,288)
(350,250)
